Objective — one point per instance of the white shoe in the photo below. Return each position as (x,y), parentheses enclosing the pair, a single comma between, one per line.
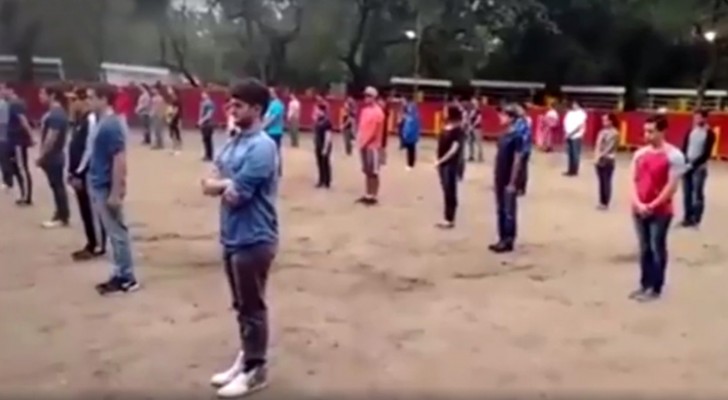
(244,384)
(53,224)
(225,377)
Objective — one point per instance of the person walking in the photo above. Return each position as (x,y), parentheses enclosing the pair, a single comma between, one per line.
(51,157)
(449,147)
(107,180)
(174,118)
(323,145)
(294,118)
(246,179)
(79,153)
(508,161)
(157,117)
(574,129)
(657,169)
(698,148)
(207,125)
(144,111)
(475,134)
(410,132)
(350,122)
(604,155)
(20,140)
(370,132)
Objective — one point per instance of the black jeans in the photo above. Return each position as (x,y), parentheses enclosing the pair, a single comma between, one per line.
(175,132)
(207,134)
(694,195)
(605,172)
(522,179)
(652,237)
(21,173)
(411,150)
(6,165)
(54,171)
(247,273)
(573,154)
(278,139)
(449,183)
(92,226)
(323,164)
(507,214)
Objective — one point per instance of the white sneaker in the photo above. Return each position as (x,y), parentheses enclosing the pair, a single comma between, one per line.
(244,384)
(225,377)
(53,224)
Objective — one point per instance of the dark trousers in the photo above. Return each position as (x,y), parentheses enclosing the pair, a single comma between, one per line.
(652,237)
(461,163)
(694,195)
(411,150)
(54,172)
(507,213)
(207,134)
(146,122)
(449,183)
(21,173)
(522,178)
(323,164)
(175,132)
(6,166)
(92,226)
(605,172)
(247,273)
(573,155)
(348,137)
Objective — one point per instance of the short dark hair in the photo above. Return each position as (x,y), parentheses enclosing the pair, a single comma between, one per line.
(660,122)
(702,112)
(454,113)
(107,92)
(252,92)
(612,117)
(81,93)
(56,93)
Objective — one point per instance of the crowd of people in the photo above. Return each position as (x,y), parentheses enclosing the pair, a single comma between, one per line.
(82,143)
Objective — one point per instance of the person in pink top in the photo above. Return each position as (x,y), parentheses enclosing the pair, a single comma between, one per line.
(369,139)
(656,171)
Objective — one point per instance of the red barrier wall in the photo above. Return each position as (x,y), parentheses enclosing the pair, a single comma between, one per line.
(431,113)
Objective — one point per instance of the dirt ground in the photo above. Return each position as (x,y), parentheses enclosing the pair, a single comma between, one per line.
(370,301)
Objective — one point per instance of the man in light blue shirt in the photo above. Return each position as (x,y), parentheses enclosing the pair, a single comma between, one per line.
(274,122)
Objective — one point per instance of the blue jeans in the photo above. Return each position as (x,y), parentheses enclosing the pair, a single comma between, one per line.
(118,234)
(652,236)
(506,209)
(573,154)
(694,195)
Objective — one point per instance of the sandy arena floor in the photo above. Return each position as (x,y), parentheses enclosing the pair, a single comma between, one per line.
(370,301)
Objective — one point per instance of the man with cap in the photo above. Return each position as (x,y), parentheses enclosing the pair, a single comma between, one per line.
(369,140)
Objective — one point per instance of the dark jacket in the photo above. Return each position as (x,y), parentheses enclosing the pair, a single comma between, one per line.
(707,149)
(77,145)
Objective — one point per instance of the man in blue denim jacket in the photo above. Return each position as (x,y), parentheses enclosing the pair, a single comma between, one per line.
(246,179)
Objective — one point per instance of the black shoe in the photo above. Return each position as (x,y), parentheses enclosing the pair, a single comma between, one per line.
(688,224)
(23,203)
(117,285)
(83,255)
(501,247)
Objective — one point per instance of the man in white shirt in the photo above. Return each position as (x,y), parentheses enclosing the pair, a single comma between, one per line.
(294,118)
(574,128)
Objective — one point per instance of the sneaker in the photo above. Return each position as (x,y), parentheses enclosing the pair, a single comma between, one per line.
(223,378)
(23,203)
(501,247)
(117,285)
(54,224)
(648,297)
(245,383)
(445,225)
(637,294)
(83,255)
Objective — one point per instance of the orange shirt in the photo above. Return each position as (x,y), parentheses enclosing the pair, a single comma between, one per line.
(371,127)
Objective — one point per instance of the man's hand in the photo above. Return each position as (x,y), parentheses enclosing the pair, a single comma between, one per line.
(230,195)
(642,209)
(75,182)
(114,201)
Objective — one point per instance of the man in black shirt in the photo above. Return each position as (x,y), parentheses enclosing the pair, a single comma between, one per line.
(51,157)
(79,149)
(322,145)
(506,172)
(449,161)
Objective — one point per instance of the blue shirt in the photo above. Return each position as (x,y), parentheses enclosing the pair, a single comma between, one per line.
(510,145)
(522,128)
(251,161)
(110,140)
(275,114)
(207,111)
(56,120)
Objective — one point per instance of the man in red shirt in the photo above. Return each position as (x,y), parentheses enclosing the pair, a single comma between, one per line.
(370,137)
(657,169)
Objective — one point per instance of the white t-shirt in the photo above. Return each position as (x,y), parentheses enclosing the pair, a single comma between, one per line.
(575,124)
(294,109)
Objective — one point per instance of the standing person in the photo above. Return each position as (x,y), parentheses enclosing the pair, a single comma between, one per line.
(549,127)
(79,152)
(604,154)
(294,118)
(350,114)
(246,178)
(144,112)
(5,148)
(322,145)
(274,122)
(657,168)
(475,134)
(508,161)
(157,117)
(449,147)
(523,128)
(174,116)
(697,147)
(51,158)
(383,104)
(107,177)
(369,140)
(574,128)
(19,141)
(410,132)
(207,125)
(123,105)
